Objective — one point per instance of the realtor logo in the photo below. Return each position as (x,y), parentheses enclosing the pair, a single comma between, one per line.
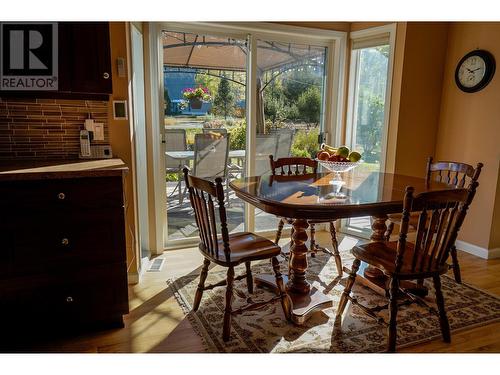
(28,56)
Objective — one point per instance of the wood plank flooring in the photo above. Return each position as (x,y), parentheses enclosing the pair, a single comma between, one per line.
(157,324)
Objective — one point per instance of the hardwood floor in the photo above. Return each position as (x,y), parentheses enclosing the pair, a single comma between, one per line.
(156,322)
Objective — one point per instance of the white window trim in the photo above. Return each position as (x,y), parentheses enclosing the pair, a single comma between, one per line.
(351,110)
(333,121)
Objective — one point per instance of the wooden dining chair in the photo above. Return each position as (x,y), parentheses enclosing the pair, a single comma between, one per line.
(441,214)
(217,245)
(295,166)
(449,172)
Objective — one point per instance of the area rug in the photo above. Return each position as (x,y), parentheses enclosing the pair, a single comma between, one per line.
(266,331)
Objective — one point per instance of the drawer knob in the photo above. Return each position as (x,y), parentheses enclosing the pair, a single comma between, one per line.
(105,75)
(69,299)
(61,196)
(65,242)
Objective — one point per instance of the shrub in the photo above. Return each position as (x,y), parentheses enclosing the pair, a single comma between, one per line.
(238,136)
(305,143)
(309,105)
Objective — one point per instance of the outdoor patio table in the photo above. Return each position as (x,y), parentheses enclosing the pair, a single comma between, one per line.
(189,155)
(311,197)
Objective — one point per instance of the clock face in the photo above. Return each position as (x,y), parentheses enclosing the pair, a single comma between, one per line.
(472,71)
(475,70)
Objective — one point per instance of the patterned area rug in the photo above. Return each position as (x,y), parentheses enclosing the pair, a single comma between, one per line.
(265,330)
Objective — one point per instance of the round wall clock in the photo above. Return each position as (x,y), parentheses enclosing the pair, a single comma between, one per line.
(475,70)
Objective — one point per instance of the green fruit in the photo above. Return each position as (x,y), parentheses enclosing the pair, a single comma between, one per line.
(354,157)
(343,151)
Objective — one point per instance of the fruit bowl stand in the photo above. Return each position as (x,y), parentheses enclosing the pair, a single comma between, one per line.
(338,167)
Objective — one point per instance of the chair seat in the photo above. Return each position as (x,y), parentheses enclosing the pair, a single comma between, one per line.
(290,221)
(396,219)
(245,247)
(383,255)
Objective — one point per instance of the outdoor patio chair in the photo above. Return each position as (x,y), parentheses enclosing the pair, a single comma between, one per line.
(233,170)
(265,145)
(211,156)
(175,140)
(284,144)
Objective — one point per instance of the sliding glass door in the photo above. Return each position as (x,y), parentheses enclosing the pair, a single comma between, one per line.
(204,121)
(291,100)
(269,92)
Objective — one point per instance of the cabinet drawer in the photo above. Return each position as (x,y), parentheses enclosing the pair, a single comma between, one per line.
(87,293)
(81,193)
(50,243)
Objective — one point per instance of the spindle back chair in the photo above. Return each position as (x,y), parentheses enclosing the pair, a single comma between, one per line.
(228,249)
(441,214)
(449,172)
(302,166)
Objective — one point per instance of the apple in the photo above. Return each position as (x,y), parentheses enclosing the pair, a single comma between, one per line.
(323,155)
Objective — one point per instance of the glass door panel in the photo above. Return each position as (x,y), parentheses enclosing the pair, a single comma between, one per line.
(290,105)
(204,90)
(369,68)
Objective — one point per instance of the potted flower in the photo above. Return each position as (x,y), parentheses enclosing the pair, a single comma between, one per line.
(196,96)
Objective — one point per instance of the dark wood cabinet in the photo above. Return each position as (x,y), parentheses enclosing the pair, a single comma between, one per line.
(84,58)
(84,63)
(63,252)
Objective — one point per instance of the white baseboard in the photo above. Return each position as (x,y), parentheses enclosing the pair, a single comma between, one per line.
(133,277)
(478,251)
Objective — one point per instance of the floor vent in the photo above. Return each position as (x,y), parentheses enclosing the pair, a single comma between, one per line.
(156,265)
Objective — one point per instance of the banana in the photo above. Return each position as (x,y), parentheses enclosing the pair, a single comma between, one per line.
(328,148)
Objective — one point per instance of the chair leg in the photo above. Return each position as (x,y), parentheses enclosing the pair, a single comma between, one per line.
(388,232)
(456,266)
(313,248)
(249,278)
(335,246)
(286,301)
(348,287)
(281,224)
(443,319)
(226,330)
(201,285)
(393,312)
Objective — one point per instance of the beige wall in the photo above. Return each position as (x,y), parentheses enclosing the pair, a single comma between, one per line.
(338,26)
(469,127)
(120,139)
(420,98)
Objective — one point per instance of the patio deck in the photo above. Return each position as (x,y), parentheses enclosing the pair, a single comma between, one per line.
(182,224)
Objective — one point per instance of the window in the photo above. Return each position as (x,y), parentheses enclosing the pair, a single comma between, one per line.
(368,104)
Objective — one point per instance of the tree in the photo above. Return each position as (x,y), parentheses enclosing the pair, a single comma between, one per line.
(370,122)
(224,99)
(309,105)
(297,81)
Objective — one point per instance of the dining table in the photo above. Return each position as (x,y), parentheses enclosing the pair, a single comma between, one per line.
(321,196)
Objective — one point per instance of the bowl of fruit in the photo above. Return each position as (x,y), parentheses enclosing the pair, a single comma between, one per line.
(338,160)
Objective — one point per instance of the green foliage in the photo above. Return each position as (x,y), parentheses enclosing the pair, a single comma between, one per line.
(208,81)
(224,99)
(297,81)
(370,123)
(305,143)
(238,136)
(274,109)
(309,105)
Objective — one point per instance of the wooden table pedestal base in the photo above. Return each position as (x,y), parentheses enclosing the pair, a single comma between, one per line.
(303,305)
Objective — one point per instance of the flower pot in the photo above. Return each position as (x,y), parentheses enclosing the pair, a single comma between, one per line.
(195,103)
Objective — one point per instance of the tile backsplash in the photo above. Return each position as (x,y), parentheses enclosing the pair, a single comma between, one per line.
(47,128)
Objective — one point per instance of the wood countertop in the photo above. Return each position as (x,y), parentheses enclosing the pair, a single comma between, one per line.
(53,169)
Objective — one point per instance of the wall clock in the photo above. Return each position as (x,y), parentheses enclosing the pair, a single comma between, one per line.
(475,70)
